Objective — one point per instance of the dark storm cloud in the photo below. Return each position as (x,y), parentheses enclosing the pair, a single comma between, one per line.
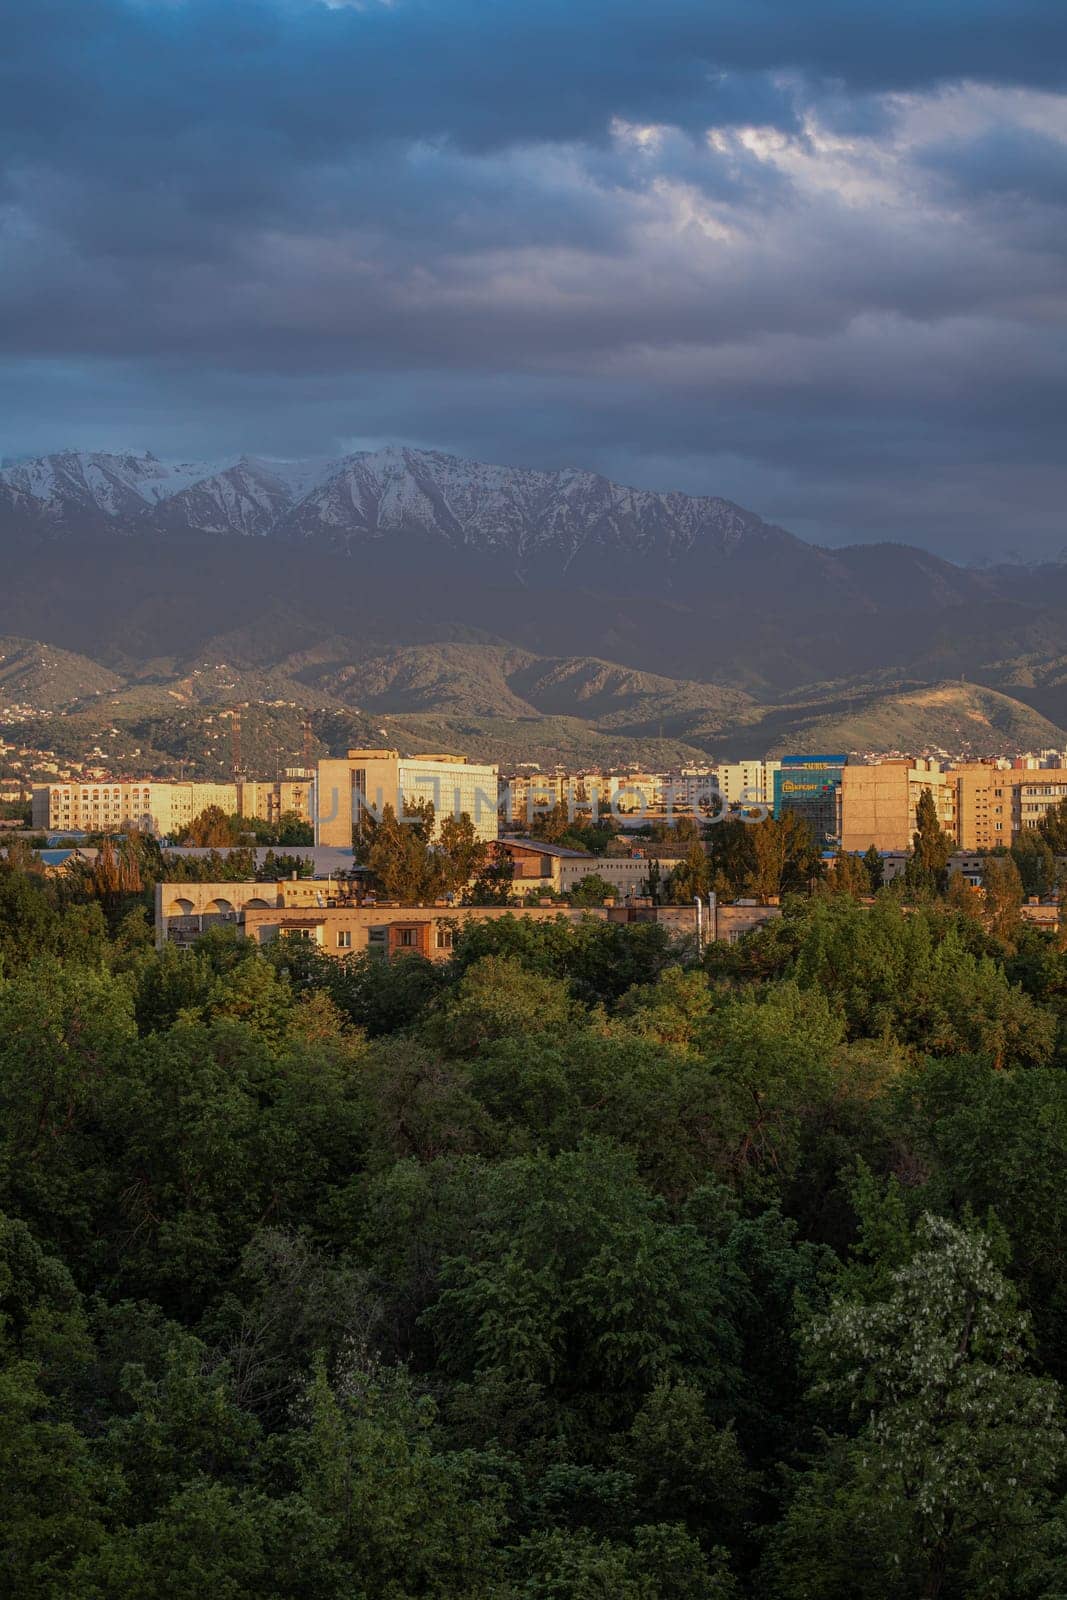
(808,256)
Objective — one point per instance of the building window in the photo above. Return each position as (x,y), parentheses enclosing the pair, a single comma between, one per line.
(445,938)
(344,938)
(407,938)
(377,935)
(297,933)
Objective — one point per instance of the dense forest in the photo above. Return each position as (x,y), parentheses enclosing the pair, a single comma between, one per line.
(583,1267)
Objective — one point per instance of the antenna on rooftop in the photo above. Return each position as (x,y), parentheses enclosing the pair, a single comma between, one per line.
(305,728)
(235,741)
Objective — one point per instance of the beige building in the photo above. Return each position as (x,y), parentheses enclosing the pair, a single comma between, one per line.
(1035,799)
(165,809)
(102,807)
(318,911)
(371,779)
(554,867)
(994,804)
(746,781)
(879,803)
(272,801)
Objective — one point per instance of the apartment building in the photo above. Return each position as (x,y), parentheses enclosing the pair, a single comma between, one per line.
(102,807)
(346,788)
(165,809)
(290,796)
(1033,800)
(530,794)
(741,781)
(879,802)
(994,804)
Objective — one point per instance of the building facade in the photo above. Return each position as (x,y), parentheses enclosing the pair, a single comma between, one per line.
(810,788)
(321,913)
(165,809)
(879,803)
(994,804)
(559,870)
(367,780)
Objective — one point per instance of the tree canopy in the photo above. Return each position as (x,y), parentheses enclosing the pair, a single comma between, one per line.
(582,1265)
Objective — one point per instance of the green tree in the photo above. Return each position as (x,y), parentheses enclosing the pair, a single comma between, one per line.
(402,859)
(293,829)
(494,883)
(405,1518)
(849,875)
(691,877)
(874,867)
(1053,827)
(1036,862)
(212,828)
(932,847)
(1002,894)
(592,890)
(945,1486)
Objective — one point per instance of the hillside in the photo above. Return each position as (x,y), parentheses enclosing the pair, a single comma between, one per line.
(953,717)
(45,677)
(503,704)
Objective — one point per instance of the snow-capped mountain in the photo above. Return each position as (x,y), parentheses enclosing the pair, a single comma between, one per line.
(250,497)
(512,512)
(96,482)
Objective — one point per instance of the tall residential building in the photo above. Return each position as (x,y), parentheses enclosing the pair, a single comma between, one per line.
(879,802)
(746,781)
(994,804)
(1033,800)
(345,789)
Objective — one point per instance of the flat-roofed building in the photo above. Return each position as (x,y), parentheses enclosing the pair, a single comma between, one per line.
(346,788)
(271,800)
(322,915)
(1032,801)
(558,869)
(166,809)
(741,782)
(879,802)
(105,806)
(810,788)
(994,804)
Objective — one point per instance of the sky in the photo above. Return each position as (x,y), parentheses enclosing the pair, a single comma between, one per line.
(806,254)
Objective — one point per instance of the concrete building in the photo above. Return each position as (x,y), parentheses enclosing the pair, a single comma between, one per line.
(527,795)
(994,804)
(535,864)
(272,801)
(1032,801)
(320,912)
(741,781)
(879,803)
(560,870)
(165,809)
(102,807)
(371,779)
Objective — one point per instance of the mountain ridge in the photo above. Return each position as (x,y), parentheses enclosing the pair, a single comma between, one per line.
(515,511)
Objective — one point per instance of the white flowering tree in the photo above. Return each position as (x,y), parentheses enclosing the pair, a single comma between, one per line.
(943,1487)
